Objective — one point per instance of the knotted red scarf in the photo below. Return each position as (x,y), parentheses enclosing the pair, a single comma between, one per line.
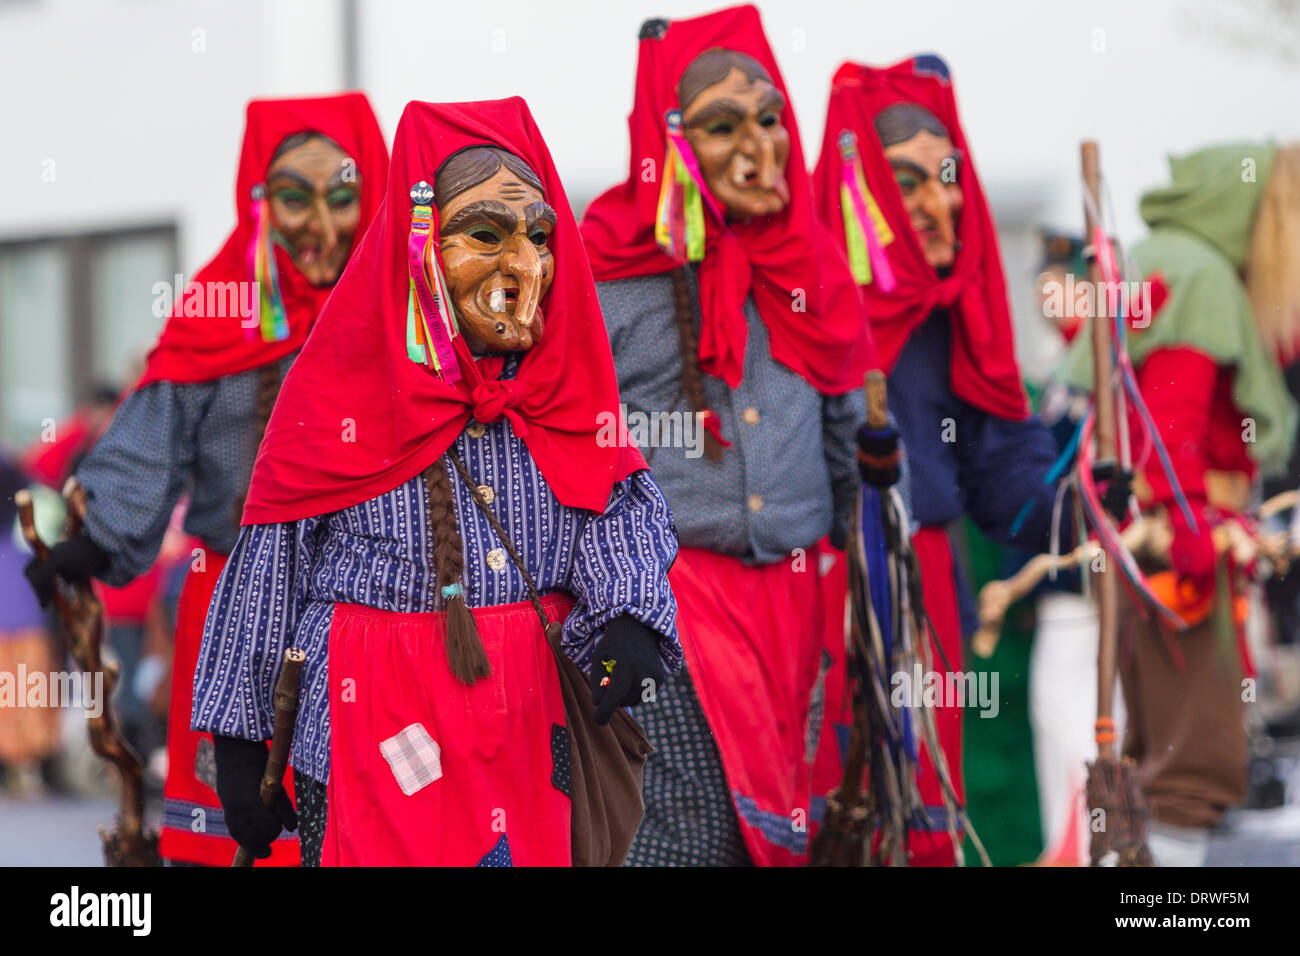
(357,417)
(984,368)
(789,263)
(201,347)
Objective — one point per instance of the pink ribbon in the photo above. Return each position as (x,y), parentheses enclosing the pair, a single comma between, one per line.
(449,368)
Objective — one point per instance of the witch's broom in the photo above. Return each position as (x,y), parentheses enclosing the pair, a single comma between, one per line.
(1116,809)
(849,820)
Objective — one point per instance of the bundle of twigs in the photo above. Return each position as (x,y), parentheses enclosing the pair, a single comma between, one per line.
(889,632)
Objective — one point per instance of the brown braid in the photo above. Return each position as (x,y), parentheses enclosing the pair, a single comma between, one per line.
(689,345)
(465,651)
(268,390)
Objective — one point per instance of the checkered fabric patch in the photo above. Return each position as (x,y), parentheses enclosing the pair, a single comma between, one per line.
(414,757)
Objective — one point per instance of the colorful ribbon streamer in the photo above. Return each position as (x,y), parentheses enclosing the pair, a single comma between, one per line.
(679,217)
(430,316)
(272,320)
(866,232)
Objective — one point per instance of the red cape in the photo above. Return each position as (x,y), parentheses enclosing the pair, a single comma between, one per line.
(199,348)
(356,417)
(984,368)
(773,259)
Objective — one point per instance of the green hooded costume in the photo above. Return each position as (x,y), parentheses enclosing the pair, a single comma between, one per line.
(1201,227)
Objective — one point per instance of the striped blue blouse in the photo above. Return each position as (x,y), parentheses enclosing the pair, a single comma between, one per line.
(279,587)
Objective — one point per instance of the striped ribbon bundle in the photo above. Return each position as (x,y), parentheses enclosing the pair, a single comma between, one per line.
(866,233)
(679,217)
(272,320)
(430,316)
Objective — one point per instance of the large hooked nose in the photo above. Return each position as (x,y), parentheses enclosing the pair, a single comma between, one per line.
(758,148)
(322,223)
(938,205)
(522,261)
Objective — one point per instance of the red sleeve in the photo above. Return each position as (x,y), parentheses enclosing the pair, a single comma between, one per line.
(1178,386)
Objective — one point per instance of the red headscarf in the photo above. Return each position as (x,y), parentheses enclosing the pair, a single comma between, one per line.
(199,348)
(357,417)
(773,259)
(984,368)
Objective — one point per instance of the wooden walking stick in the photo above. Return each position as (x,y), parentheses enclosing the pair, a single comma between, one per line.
(286,714)
(1112,786)
(81,617)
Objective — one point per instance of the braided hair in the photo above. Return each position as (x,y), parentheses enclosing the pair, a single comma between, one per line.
(465,651)
(689,346)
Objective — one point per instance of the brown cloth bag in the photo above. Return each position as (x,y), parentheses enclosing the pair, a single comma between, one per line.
(605,765)
(605,761)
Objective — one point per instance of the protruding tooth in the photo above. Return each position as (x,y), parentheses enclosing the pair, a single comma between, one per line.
(497,300)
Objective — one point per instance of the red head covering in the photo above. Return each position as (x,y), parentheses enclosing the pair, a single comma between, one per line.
(984,369)
(357,417)
(773,259)
(200,347)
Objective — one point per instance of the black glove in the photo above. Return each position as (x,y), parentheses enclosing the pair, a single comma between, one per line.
(878,455)
(1115,498)
(240,765)
(75,560)
(625,657)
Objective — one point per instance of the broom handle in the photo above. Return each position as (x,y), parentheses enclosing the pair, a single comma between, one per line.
(855,763)
(877,403)
(1104,401)
(286,712)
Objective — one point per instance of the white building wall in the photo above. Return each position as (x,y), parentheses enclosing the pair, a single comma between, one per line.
(139,103)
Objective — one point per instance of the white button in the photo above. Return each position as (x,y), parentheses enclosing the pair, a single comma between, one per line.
(487,493)
(496,559)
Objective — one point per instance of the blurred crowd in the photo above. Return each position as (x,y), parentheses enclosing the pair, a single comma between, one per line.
(44,750)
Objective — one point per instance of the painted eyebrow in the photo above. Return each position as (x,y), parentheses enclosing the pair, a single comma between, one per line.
(907,166)
(497,213)
(771,100)
(728,109)
(538,212)
(296,177)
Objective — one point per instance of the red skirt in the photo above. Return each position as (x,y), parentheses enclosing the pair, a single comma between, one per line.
(837,705)
(194,829)
(932,846)
(425,771)
(752,638)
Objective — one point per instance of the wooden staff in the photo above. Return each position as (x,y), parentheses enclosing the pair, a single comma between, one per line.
(1112,786)
(1104,404)
(81,616)
(286,715)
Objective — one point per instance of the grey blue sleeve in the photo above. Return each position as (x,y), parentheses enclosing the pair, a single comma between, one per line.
(137,470)
(841,417)
(252,619)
